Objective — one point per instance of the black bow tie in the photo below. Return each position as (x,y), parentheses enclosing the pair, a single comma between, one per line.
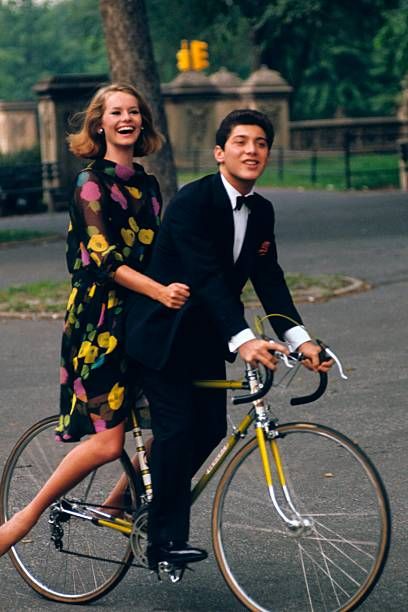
(247,200)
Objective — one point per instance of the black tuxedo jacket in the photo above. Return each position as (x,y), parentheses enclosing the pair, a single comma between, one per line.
(195,246)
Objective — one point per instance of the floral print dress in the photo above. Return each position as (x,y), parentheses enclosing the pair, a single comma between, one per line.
(115,214)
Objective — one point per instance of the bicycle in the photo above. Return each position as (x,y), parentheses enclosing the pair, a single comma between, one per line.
(321,536)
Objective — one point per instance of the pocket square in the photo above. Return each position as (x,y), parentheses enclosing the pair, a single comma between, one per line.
(264,248)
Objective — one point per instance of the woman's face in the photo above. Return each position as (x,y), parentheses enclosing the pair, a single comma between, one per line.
(121,121)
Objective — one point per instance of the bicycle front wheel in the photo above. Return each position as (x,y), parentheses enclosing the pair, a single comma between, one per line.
(334,560)
(93,559)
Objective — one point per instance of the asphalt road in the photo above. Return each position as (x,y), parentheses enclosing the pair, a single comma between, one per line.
(358,234)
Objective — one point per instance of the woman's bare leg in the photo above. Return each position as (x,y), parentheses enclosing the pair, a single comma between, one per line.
(115,497)
(80,461)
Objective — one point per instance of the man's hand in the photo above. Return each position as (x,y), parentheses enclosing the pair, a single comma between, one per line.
(259,351)
(311,352)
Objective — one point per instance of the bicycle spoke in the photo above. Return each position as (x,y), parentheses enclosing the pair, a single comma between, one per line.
(329,557)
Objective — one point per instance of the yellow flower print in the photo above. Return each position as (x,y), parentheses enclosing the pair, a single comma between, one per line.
(91,291)
(103,339)
(146,236)
(128,236)
(112,344)
(133,224)
(96,259)
(70,227)
(116,397)
(98,243)
(75,363)
(112,299)
(91,354)
(74,399)
(84,348)
(71,298)
(135,192)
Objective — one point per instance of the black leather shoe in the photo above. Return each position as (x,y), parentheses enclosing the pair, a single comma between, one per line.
(175,553)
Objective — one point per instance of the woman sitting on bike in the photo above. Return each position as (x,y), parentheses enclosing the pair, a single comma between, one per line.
(114,216)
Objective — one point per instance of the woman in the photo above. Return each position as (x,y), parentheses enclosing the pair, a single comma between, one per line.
(114,219)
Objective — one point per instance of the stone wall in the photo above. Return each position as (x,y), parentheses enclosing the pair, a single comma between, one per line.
(18,126)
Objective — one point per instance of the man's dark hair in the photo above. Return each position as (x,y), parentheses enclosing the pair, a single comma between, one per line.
(244,116)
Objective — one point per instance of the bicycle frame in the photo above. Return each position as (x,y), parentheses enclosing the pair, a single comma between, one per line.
(257,414)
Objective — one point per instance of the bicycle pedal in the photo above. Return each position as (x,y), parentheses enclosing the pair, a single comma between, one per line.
(171,571)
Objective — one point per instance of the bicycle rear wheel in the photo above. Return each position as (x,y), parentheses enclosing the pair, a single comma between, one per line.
(334,564)
(64,575)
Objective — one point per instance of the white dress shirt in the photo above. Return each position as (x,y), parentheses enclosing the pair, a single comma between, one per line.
(295,336)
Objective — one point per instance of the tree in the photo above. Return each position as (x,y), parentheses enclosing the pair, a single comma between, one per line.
(131,59)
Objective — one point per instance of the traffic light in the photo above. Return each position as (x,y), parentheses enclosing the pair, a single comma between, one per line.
(199,55)
(183,57)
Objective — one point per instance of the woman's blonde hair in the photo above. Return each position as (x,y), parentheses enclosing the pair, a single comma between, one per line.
(89,143)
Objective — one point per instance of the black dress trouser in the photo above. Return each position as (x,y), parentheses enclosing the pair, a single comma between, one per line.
(187,424)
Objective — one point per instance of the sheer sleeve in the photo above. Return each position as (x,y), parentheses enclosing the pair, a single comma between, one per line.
(98,253)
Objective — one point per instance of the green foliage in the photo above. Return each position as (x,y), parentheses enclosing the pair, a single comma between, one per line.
(28,156)
(38,40)
(341,56)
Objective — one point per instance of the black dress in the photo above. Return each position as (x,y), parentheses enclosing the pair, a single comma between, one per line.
(115,214)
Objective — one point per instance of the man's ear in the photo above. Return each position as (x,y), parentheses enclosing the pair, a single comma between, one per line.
(219,154)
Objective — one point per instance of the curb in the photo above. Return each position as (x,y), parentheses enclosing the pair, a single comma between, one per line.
(354,285)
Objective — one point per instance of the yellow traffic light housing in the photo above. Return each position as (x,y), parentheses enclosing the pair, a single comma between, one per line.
(183,57)
(199,55)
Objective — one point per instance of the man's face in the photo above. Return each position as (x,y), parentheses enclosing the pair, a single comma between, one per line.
(244,156)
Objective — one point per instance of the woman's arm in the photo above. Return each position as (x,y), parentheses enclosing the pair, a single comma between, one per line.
(172,296)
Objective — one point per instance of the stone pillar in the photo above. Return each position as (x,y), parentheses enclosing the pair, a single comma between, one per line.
(59,98)
(267,91)
(189,103)
(228,94)
(18,126)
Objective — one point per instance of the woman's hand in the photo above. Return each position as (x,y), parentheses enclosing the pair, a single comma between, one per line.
(174,295)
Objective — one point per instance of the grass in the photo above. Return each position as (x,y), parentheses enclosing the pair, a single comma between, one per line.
(304,288)
(15,235)
(35,298)
(51,297)
(368,171)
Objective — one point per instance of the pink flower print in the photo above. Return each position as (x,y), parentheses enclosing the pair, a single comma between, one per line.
(66,436)
(124,172)
(79,390)
(102,315)
(63,376)
(99,425)
(156,206)
(118,196)
(84,255)
(90,191)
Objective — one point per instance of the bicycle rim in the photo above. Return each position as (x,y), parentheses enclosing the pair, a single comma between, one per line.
(332,565)
(65,576)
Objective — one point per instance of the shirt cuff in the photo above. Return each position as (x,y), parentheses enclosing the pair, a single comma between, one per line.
(295,336)
(243,336)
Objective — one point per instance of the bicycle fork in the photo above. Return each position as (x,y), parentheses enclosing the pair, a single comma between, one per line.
(296,524)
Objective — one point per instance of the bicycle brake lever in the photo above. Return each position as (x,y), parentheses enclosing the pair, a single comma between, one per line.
(285,359)
(337,362)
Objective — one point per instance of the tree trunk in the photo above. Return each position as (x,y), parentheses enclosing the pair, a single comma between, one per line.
(131,58)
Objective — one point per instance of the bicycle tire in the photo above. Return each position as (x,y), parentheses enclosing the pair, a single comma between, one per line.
(334,566)
(64,576)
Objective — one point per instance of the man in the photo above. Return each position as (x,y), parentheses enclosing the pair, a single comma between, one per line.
(216,234)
